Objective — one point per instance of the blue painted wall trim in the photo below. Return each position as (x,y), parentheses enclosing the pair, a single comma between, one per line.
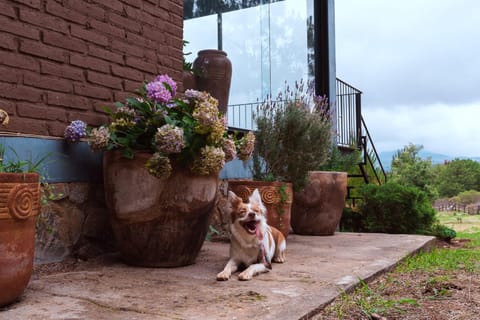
(76,162)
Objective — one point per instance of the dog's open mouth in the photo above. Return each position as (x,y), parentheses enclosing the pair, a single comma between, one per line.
(251,226)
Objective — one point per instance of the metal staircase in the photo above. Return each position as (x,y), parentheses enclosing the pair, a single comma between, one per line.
(353,134)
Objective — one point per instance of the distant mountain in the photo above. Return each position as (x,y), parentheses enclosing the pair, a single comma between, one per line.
(437,158)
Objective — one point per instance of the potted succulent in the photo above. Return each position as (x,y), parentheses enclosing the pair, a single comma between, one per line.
(19,208)
(292,138)
(161,165)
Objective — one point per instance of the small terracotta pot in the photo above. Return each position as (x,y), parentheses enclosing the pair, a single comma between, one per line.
(318,208)
(276,196)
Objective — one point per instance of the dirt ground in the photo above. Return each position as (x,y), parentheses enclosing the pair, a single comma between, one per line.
(445,295)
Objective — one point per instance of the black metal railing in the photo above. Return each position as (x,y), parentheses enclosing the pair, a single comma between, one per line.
(348,115)
(351,130)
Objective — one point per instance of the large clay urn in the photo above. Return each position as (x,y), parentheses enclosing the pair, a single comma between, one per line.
(318,208)
(213,73)
(157,222)
(276,196)
(19,207)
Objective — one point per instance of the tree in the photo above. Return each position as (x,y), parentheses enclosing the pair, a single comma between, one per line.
(409,169)
(457,176)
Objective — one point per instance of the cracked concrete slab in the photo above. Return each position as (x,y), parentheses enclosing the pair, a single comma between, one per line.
(316,271)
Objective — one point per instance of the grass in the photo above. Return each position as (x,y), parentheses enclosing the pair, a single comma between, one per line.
(426,276)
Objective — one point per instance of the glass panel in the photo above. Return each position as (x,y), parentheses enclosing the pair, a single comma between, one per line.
(268,45)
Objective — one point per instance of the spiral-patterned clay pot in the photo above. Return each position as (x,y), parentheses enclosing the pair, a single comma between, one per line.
(157,222)
(19,206)
(276,196)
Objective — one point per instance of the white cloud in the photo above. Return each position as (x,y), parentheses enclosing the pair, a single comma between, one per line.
(451,130)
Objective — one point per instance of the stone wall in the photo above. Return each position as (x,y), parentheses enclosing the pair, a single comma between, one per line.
(63,60)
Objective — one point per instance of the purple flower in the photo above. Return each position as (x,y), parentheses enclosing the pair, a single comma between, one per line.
(158,92)
(75,131)
(161,89)
(166,80)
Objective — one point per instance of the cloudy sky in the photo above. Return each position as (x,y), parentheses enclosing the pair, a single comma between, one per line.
(418,65)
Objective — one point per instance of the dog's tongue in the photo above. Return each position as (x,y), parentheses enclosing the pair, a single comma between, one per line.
(259,233)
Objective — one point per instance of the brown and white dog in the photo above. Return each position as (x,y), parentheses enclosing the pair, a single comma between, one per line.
(253,244)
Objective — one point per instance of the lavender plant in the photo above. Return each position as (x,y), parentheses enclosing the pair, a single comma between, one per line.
(293,136)
(187,130)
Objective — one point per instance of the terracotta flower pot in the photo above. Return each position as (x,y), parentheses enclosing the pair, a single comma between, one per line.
(214,74)
(157,222)
(318,208)
(188,80)
(276,196)
(19,207)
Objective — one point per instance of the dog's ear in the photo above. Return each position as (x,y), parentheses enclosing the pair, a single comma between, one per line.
(235,201)
(256,198)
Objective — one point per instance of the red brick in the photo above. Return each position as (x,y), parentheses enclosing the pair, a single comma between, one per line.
(142,42)
(104,80)
(127,48)
(157,12)
(92,91)
(123,95)
(67,100)
(99,106)
(7,10)
(7,41)
(26,125)
(139,15)
(85,8)
(92,119)
(8,106)
(154,34)
(31,3)
(134,3)
(91,63)
(39,111)
(124,22)
(141,64)
(18,28)
(41,50)
(58,10)
(131,86)
(127,73)
(43,20)
(56,128)
(61,41)
(19,92)
(61,70)
(19,61)
(46,82)
(82,33)
(105,54)
(112,4)
(107,28)
(10,74)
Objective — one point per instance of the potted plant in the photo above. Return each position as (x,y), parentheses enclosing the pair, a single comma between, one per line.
(161,165)
(318,208)
(19,207)
(292,138)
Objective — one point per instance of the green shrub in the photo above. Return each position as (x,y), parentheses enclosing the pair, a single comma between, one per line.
(393,208)
(352,221)
(443,232)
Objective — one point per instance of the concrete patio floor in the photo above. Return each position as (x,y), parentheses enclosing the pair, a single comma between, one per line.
(316,271)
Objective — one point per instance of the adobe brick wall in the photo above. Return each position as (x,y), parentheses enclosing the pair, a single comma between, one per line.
(62,60)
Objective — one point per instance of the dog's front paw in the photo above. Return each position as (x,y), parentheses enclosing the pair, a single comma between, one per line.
(223,276)
(245,276)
